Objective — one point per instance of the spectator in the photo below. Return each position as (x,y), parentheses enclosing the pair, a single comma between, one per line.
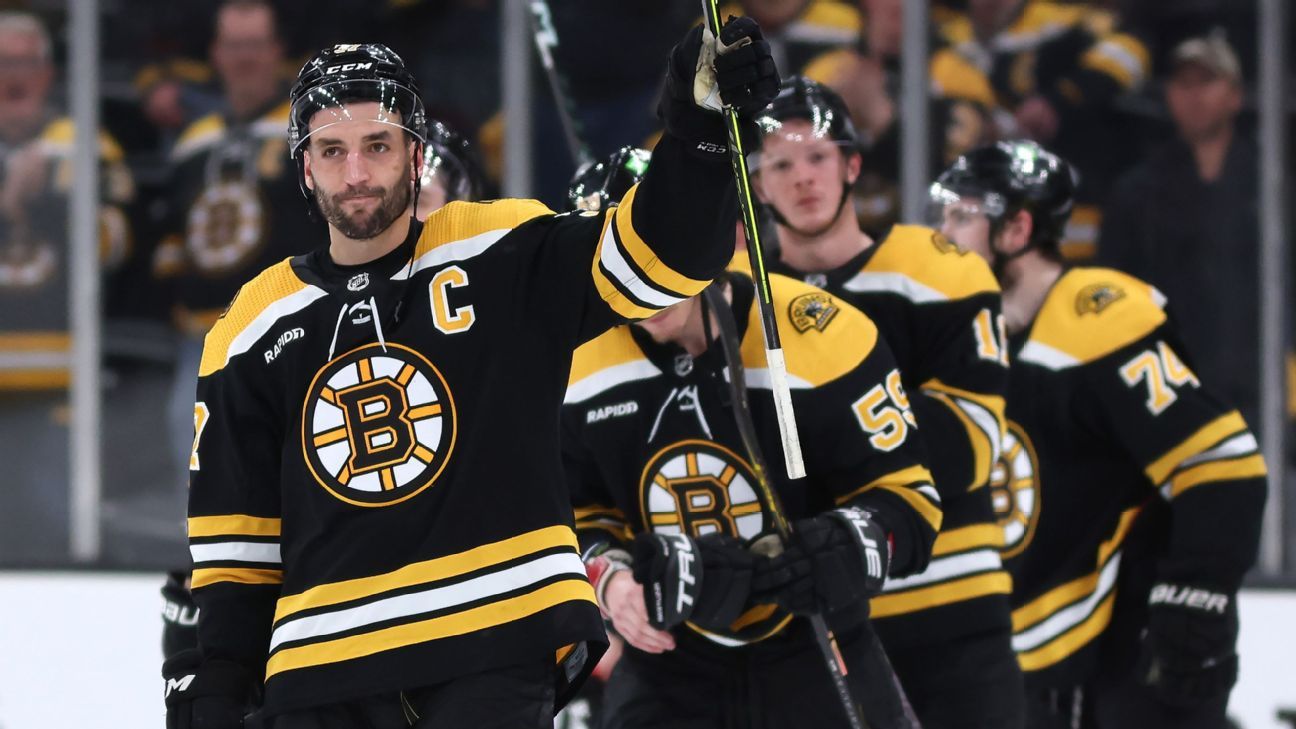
(235,206)
(799,30)
(36,177)
(1186,220)
(868,79)
(1057,68)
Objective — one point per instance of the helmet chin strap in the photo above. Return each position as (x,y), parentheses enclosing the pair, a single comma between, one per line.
(841,203)
(998,260)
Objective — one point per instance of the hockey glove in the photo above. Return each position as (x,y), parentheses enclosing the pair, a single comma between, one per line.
(707,580)
(703,75)
(179,616)
(202,694)
(833,561)
(1189,653)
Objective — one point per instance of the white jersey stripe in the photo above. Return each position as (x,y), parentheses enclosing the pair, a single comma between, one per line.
(257,328)
(264,552)
(946,568)
(896,283)
(608,378)
(1069,617)
(625,277)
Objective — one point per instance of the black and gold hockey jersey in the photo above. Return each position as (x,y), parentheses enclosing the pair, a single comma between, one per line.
(376,495)
(650,441)
(234,209)
(1074,56)
(35,343)
(1107,419)
(820,25)
(938,309)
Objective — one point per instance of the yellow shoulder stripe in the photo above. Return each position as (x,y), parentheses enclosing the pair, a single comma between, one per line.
(922,265)
(1090,313)
(275,292)
(1237,469)
(954,78)
(459,221)
(823,336)
(605,361)
(653,267)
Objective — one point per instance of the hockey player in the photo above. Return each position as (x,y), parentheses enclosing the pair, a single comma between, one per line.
(664,485)
(946,629)
(450,171)
(1131,498)
(377,519)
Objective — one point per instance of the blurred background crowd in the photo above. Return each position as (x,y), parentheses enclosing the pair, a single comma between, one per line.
(1153,100)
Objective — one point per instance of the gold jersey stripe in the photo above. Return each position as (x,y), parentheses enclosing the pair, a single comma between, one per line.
(1205,437)
(1050,602)
(257,296)
(653,268)
(943,593)
(240,575)
(1252,466)
(968,538)
(611,294)
(460,623)
(1069,642)
(982,448)
(898,483)
(234,524)
(428,571)
(584,512)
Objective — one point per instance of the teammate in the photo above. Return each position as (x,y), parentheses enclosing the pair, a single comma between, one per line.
(1131,498)
(656,464)
(946,629)
(450,171)
(377,519)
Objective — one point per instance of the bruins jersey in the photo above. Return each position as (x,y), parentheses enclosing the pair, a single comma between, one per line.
(938,309)
(820,26)
(34,243)
(235,208)
(376,497)
(1073,56)
(961,107)
(1107,420)
(650,442)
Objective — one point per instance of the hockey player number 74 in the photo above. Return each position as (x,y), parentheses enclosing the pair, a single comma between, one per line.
(1161,371)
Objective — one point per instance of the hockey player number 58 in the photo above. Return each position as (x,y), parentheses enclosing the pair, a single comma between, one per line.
(1161,371)
(884,414)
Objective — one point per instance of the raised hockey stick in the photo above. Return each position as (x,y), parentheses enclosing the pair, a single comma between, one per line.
(774,362)
(546,39)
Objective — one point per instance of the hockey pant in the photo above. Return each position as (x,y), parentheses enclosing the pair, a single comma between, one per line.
(1112,705)
(971,682)
(517,697)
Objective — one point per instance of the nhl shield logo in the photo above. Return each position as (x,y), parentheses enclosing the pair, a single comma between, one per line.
(814,310)
(378,426)
(358,282)
(1015,492)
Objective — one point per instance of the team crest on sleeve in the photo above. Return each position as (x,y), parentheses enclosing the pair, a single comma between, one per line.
(378,426)
(697,487)
(1015,491)
(1093,298)
(814,310)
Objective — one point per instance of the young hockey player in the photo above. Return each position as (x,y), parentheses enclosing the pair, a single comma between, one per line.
(947,628)
(1131,498)
(666,489)
(378,521)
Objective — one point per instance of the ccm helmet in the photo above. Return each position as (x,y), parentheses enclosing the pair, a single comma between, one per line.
(600,184)
(342,75)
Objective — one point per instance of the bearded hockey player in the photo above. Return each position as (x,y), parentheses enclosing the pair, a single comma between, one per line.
(946,628)
(366,410)
(666,489)
(1131,498)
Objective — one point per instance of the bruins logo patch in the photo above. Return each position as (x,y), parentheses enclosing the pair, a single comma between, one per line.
(944,245)
(1015,492)
(378,425)
(225,227)
(1093,298)
(697,487)
(814,310)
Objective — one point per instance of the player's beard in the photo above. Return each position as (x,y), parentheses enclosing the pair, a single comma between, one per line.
(363,225)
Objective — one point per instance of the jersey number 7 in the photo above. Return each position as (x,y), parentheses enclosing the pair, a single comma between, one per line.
(1161,371)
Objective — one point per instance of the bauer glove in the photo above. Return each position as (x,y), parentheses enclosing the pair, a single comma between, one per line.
(1189,652)
(211,694)
(703,75)
(707,580)
(832,561)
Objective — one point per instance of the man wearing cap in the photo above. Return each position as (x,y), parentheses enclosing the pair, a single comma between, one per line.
(380,531)
(1185,219)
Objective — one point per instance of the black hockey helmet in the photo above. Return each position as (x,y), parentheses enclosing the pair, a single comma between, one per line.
(450,158)
(345,74)
(807,100)
(599,184)
(1006,177)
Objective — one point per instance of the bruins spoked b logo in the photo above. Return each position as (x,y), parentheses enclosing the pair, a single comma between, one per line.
(378,425)
(697,487)
(1015,491)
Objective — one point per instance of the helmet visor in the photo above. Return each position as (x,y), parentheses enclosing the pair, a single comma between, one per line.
(350,100)
(948,205)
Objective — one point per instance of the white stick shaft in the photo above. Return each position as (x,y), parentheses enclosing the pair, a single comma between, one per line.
(786,417)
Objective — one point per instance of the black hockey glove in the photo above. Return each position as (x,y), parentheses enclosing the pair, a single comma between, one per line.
(179,616)
(706,580)
(835,560)
(205,694)
(1189,653)
(702,75)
